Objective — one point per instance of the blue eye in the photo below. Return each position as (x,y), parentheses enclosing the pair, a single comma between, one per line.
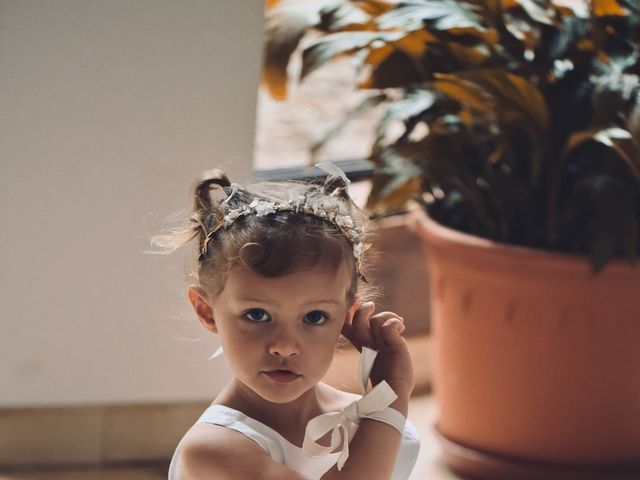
(316,317)
(257,315)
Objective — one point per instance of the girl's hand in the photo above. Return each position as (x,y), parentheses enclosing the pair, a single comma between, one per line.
(382,332)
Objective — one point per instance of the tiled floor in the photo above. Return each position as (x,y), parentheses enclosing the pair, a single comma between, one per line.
(422,413)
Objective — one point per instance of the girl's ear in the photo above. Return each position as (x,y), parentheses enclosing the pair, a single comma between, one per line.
(351,311)
(201,306)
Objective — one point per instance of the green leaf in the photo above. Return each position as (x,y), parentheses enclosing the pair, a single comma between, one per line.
(607,8)
(413,104)
(514,93)
(616,95)
(469,57)
(397,70)
(396,180)
(527,32)
(287,22)
(615,228)
(442,14)
(538,10)
(571,7)
(455,18)
(617,139)
(517,104)
(335,44)
(341,15)
(464,91)
(285,26)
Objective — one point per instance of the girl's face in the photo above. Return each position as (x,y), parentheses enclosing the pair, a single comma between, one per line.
(279,334)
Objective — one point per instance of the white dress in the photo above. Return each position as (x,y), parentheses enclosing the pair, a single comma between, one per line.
(286,453)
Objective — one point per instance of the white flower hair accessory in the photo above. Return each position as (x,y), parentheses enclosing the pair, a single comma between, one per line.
(262,208)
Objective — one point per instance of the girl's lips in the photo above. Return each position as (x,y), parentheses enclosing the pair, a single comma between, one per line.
(282,376)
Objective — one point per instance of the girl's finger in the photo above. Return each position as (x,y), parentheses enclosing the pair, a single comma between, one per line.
(375,326)
(349,331)
(377,322)
(392,330)
(360,331)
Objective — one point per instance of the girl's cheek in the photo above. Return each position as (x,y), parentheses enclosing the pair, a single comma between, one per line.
(249,331)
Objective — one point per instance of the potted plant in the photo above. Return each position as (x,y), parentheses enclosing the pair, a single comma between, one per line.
(515,124)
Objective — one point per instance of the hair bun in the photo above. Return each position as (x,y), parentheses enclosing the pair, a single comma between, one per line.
(202,188)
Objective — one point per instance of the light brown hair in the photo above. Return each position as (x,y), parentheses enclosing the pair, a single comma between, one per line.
(274,244)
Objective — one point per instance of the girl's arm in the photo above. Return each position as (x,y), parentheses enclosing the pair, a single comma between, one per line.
(374,448)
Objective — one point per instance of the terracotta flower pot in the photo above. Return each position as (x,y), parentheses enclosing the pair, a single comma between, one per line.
(537,359)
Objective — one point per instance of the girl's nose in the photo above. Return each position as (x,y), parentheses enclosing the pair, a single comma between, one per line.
(284,345)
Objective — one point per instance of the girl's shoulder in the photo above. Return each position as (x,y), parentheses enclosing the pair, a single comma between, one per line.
(209,450)
(214,442)
(203,450)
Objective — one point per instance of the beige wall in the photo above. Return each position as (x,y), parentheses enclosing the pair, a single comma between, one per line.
(108,109)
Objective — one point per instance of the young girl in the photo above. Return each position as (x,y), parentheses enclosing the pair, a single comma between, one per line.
(280,271)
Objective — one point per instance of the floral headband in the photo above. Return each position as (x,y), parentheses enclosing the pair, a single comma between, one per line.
(263,208)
